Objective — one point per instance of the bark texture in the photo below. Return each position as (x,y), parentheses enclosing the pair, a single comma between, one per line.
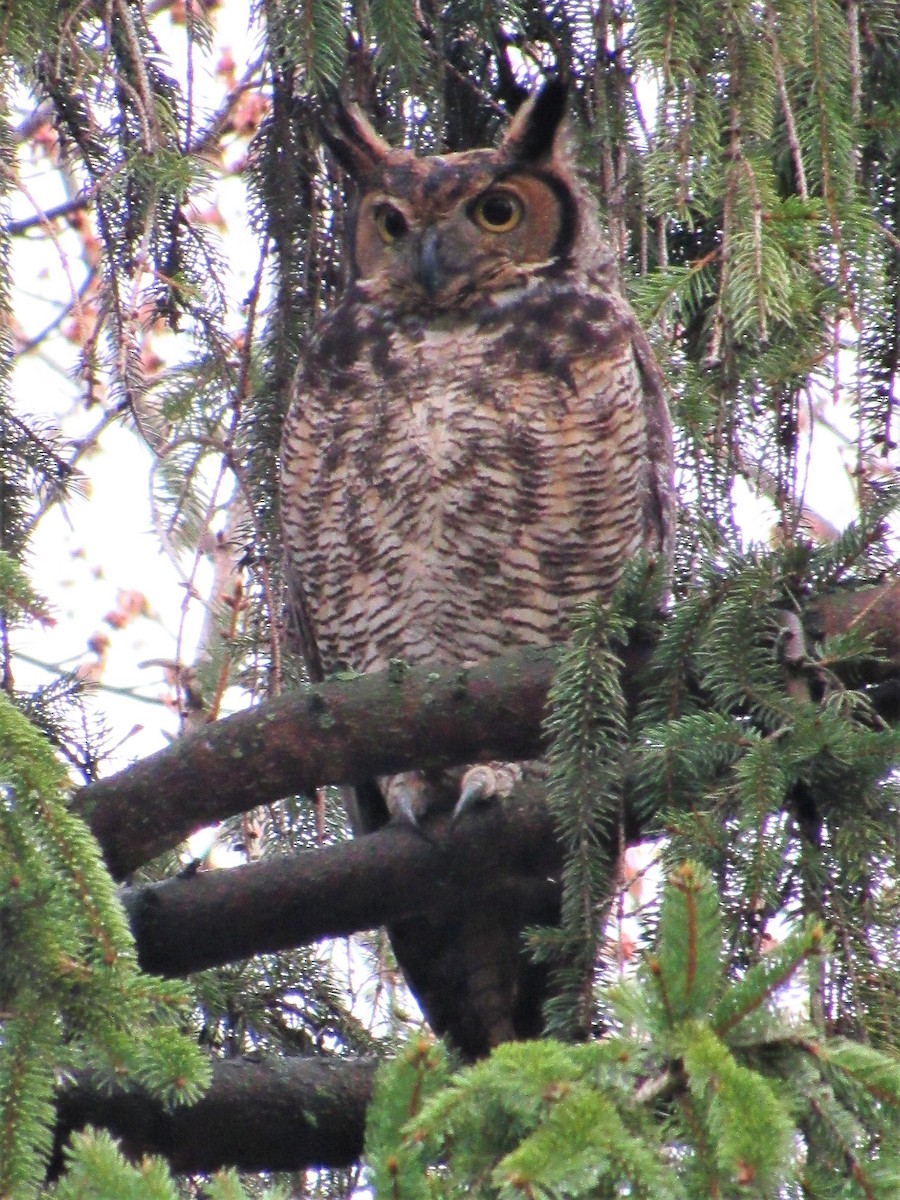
(277,1115)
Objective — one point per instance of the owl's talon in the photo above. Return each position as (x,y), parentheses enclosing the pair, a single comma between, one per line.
(474,790)
(404,795)
(404,813)
(486,781)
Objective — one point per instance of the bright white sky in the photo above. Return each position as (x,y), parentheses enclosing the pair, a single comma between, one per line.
(102,544)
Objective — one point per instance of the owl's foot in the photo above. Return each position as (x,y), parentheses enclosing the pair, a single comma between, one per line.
(486,781)
(406,796)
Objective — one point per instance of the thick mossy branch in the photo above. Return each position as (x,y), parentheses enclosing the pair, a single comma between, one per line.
(499,852)
(339,732)
(351,730)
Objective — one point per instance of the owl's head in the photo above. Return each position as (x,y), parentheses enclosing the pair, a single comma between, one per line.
(443,232)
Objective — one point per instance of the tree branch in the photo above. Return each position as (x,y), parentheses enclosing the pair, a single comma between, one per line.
(352,730)
(874,611)
(341,732)
(188,924)
(296,1113)
(277,1115)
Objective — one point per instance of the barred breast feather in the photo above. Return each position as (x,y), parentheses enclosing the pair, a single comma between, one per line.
(461,484)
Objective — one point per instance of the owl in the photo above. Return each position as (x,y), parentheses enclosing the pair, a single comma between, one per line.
(478,438)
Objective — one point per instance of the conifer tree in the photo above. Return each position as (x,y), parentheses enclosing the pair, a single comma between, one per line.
(746,159)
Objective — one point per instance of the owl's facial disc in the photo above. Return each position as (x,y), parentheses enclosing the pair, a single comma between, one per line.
(457,235)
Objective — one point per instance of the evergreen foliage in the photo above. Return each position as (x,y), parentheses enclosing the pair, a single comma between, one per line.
(746,157)
(587,724)
(70,988)
(702,1087)
(756,758)
(99,1171)
(587,727)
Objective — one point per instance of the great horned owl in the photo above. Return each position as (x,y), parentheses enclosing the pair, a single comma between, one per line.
(478,438)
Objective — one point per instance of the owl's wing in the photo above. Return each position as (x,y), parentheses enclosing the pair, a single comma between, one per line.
(296,452)
(660,451)
(299,629)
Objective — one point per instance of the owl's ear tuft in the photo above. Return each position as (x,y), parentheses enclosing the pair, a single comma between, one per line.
(352,139)
(533,135)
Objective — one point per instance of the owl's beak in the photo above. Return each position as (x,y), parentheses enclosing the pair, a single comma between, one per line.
(431,270)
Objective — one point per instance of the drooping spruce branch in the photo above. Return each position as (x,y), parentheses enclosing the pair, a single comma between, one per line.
(588,731)
(70,987)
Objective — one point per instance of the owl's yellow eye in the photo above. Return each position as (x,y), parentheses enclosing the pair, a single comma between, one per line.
(390,223)
(497,211)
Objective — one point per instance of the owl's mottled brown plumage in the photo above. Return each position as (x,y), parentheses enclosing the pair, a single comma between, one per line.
(478,438)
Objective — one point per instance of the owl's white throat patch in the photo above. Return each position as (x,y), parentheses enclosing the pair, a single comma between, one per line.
(507,297)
